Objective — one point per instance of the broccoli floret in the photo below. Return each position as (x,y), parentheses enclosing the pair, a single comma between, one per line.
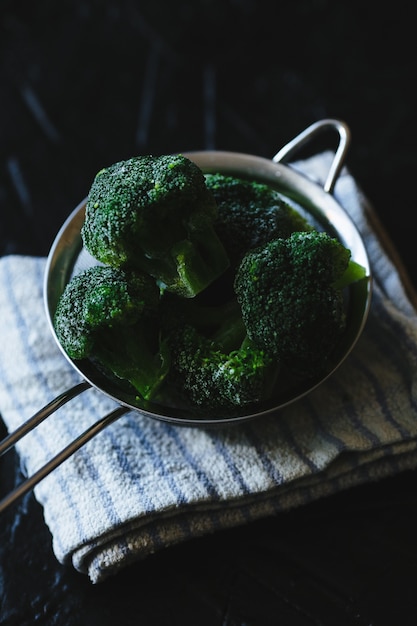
(290,291)
(109,316)
(213,362)
(155,214)
(215,379)
(250,214)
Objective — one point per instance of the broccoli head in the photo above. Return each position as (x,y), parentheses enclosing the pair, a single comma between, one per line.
(109,316)
(211,377)
(250,214)
(155,214)
(290,292)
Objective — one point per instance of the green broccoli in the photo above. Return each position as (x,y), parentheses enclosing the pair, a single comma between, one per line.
(213,378)
(250,214)
(212,292)
(291,295)
(155,214)
(110,317)
(213,362)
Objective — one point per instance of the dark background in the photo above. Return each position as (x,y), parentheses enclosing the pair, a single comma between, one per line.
(86,83)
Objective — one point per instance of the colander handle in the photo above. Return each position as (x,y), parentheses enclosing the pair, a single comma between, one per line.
(9,441)
(311,131)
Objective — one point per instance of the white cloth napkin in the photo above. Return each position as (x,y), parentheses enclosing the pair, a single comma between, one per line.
(142,484)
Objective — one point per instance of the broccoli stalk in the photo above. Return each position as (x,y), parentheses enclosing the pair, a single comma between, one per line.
(131,353)
(109,316)
(156,214)
(352,274)
(222,323)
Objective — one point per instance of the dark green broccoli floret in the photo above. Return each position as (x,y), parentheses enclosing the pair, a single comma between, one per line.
(155,214)
(291,297)
(250,214)
(212,378)
(109,316)
(213,362)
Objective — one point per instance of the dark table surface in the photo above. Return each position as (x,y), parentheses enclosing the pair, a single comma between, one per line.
(86,83)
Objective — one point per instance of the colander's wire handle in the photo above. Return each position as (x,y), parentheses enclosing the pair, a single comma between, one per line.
(311,131)
(41,415)
(66,452)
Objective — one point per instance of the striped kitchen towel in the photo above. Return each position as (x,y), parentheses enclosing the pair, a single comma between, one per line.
(141,484)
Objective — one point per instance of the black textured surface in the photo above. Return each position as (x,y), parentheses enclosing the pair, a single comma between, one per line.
(86,83)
